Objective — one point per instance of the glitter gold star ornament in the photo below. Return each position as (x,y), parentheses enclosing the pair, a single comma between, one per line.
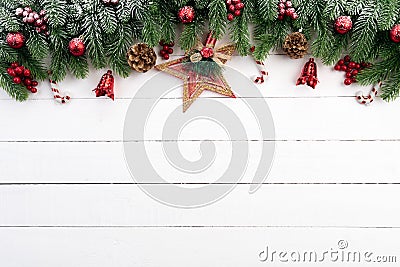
(201,69)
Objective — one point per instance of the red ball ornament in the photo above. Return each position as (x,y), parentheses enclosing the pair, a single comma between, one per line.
(77,47)
(395,33)
(186,14)
(343,24)
(15,40)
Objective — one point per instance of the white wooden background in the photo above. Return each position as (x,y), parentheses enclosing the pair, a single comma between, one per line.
(67,199)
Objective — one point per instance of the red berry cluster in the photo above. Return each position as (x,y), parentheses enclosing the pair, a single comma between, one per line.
(351,68)
(39,20)
(111,2)
(234,8)
(22,75)
(285,8)
(166,49)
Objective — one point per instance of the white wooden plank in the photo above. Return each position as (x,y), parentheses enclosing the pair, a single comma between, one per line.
(200,247)
(271,205)
(283,73)
(295,119)
(295,162)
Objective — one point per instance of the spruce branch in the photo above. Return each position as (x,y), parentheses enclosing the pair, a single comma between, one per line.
(8,21)
(7,54)
(217,15)
(37,46)
(190,35)
(78,66)
(56,10)
(363,36)
(116,51)
(267,9)
(391,88)
(240,33)
(108,19)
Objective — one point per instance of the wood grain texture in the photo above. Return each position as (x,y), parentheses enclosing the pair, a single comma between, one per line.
(67,198)
(271,205)
(190,246)
(295,162)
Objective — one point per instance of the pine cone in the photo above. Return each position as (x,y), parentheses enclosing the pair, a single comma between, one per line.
(295,45)
(141,57)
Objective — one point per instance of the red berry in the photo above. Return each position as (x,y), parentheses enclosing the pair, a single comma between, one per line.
(281,6)
(341,62)
(231,8)
(337,67)
(171,44)
(354,72)
(17,80)
(235,2)
(170,50)
(34,90)
(34,83)
(344,68)
(230,17)
(282,11)
(290,11)
(237,13)
(163,52)
(27,73)
(294,15)
(14,65)
(11,72)
(347,81)
(228,2)
(161,43)
(358,66)
(352,64)
(280,17)
(29,87)
(165,47)
(27,81)
(348,74)
(288,4)
(19,70)
(347,58)
(239,6)
(166,56)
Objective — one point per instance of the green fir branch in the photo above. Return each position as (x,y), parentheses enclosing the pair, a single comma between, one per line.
(217,15)
(37,46)
(391,88)
(190,35)
(78,66)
